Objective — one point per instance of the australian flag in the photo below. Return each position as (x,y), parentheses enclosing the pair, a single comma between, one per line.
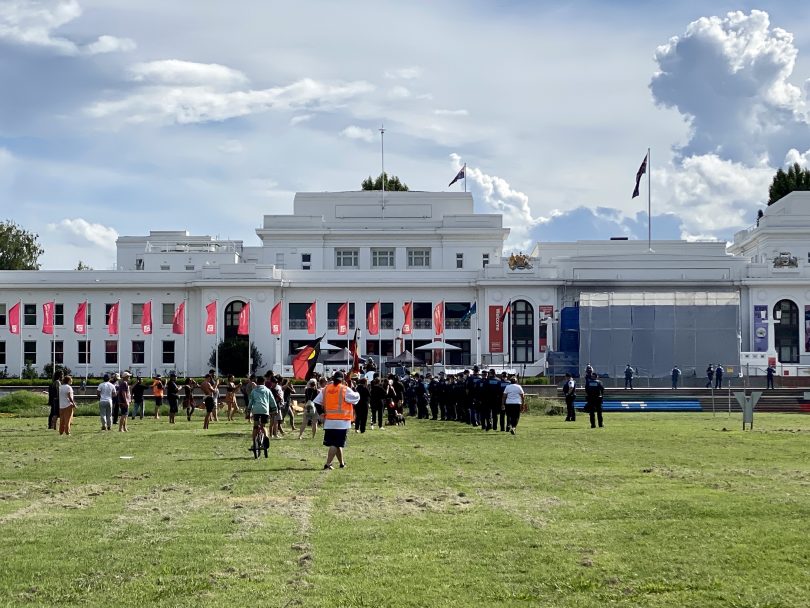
(641,171)
(459,175)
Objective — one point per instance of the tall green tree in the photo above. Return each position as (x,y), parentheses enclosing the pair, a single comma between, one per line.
(392,183)
(233,357)
(785,182)
(19,249)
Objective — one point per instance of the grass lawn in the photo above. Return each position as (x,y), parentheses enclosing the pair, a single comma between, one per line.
(653,510)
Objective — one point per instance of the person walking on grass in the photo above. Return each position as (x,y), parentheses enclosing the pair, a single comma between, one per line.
(123,396)
(230,397)
(115,379)
(338,404)
(513,402)
(138,389)
(209,400)
(53,399)
(173,396)
(188,397)
(361,409)
(157,391)
(377,396)
(310,411)
(66,406)
(288,390)
(106,391)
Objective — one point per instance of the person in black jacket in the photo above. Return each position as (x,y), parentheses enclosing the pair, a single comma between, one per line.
(490,401)
(569,391)
(594,396)
(361,407)
(474,384)
(433,390)
(378,393)
(53,399)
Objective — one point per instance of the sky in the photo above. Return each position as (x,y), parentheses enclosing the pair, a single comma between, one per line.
(120,117)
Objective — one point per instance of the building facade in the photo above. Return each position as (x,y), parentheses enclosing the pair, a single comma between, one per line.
(607,302)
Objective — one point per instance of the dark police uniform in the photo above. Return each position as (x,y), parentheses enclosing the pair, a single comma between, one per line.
(594,395)
(490,403)
(474,384)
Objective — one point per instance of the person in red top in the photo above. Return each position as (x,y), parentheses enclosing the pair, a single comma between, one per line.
(338,401)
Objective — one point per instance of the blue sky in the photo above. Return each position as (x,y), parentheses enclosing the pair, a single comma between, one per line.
(121,117)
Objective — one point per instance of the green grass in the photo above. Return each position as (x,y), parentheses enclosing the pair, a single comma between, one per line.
(654,510)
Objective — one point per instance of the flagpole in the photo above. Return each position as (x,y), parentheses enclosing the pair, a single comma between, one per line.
(382,156)
(465,177)
(509,332)
(216,337)
(649,202)
(20,319)
(379,335)
(249,321)
(185,334)
(444,326)
(86,346)
(412,354)
(477,336)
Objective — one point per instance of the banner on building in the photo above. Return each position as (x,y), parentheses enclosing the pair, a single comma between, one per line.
(495,329)
(80,319)
(179,320)
(244,320)
(760,328)
(312,319)
(343,319)
(438,318)
(373,319)
(407,324)
(146,318)
(545,311)
(47,317)
(211,318)
(14,319)
(275,319)
(112,319)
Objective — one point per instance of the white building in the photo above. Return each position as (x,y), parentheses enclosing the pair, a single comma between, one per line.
(426,248)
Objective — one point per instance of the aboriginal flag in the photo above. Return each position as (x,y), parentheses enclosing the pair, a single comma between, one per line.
(304,362)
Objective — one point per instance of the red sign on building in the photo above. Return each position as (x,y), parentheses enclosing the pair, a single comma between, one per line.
(495,329)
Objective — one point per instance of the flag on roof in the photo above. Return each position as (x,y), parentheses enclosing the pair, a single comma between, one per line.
(641,171)
(459,175)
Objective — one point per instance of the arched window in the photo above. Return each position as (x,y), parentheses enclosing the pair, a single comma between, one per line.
(786,332)
(231,324)
(522,332)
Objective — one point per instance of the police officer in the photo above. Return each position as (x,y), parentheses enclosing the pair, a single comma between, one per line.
(490,401)
(433,391)
(450,398)
(460,399)
(570,392)
(441,392)
(594,395)
(474,384)
(421,397)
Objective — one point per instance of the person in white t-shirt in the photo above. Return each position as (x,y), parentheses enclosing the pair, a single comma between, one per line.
(106,392)
(513,399)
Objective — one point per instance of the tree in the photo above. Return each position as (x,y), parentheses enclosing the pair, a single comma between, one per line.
(19,249)
(392,183)
(233,357)
(783,182)
(82,266)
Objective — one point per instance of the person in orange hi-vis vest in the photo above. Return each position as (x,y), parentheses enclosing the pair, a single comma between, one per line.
(338,401)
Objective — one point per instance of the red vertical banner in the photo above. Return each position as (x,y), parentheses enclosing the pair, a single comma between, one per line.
(146,318)
(80,319)
(211,318)
(373,320)
(545,311)
(495,329)
(112,319)
(407,324)
(353,349)
(244,320)
(47,317)
(14,319)
(438,318)
(343,319)
(179,320)
(275,319)
(312,319)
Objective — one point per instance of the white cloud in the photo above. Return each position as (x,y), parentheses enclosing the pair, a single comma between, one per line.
(500,197)
(399,92)
(794,156)
(34,23)
(73,239)
(461,112)
(195,104)
(79,231)
(729,77)
(355,132)
(177,72)
(301,118)
(408,73)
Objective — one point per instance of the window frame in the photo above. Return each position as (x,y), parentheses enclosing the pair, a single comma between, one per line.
(83,356)
(172,352)
(26,315)
(390,254)
(27,351)
(163,316)
(421,254)
(136,354)
(110,356)
(341,253)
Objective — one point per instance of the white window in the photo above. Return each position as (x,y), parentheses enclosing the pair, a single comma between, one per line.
(382,258)
(280,259)
(306,261)
(164,267)
(189,266)
(347,258)
(137,314)
(459,260)
(485,260)
(167,313)
(418,258)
